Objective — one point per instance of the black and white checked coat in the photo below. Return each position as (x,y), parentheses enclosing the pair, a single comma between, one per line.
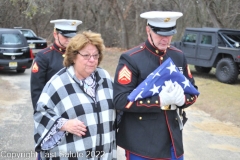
(64,97)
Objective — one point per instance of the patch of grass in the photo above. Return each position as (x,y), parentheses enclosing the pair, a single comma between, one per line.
(218,99)
(110,59)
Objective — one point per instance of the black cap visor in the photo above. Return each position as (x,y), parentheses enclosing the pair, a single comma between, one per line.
(164,31)
(68,34)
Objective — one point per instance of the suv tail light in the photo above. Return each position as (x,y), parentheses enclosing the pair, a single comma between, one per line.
(31,54)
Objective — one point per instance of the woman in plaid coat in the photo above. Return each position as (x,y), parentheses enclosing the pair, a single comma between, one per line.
(75,116)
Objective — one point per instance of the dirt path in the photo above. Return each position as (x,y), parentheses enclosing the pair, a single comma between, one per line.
(205,138)
(16,122)
(208,139)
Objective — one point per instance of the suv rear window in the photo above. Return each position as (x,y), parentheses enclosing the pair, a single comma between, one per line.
(27,33)
(10,39)
(206,39)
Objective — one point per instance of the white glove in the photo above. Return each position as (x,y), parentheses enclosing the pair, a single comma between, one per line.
(166,96)
(169,85)
(179,94)
(172,93)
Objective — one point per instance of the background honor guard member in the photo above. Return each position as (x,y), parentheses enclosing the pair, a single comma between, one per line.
(50,60)
(150,128)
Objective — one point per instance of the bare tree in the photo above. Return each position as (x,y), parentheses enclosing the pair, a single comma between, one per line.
(118,21)
(119,14)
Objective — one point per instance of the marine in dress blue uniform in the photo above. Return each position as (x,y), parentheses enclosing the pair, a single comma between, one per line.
(149,128)
(50,60)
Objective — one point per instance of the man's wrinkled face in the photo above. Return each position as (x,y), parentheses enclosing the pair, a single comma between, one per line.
(161,42)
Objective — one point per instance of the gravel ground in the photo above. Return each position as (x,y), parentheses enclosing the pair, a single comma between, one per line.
(205,138)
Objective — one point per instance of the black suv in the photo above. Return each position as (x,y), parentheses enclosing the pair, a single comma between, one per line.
(35,42)
(15,53)
(208,48)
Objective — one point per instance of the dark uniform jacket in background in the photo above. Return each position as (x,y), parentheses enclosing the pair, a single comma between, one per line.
(145,129)
(47,62)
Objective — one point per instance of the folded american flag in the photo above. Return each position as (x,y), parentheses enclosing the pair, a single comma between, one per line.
(152,85)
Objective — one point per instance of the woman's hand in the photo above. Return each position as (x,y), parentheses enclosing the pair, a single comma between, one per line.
(74,126)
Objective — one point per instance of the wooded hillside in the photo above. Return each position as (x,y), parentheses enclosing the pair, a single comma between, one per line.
(117,20)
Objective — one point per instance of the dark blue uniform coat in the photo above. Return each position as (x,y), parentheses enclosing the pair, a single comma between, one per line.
(145,129)
(47,62)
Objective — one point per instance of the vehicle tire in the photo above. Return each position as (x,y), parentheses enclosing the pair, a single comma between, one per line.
(227,71)
(20,70)
(203,69)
